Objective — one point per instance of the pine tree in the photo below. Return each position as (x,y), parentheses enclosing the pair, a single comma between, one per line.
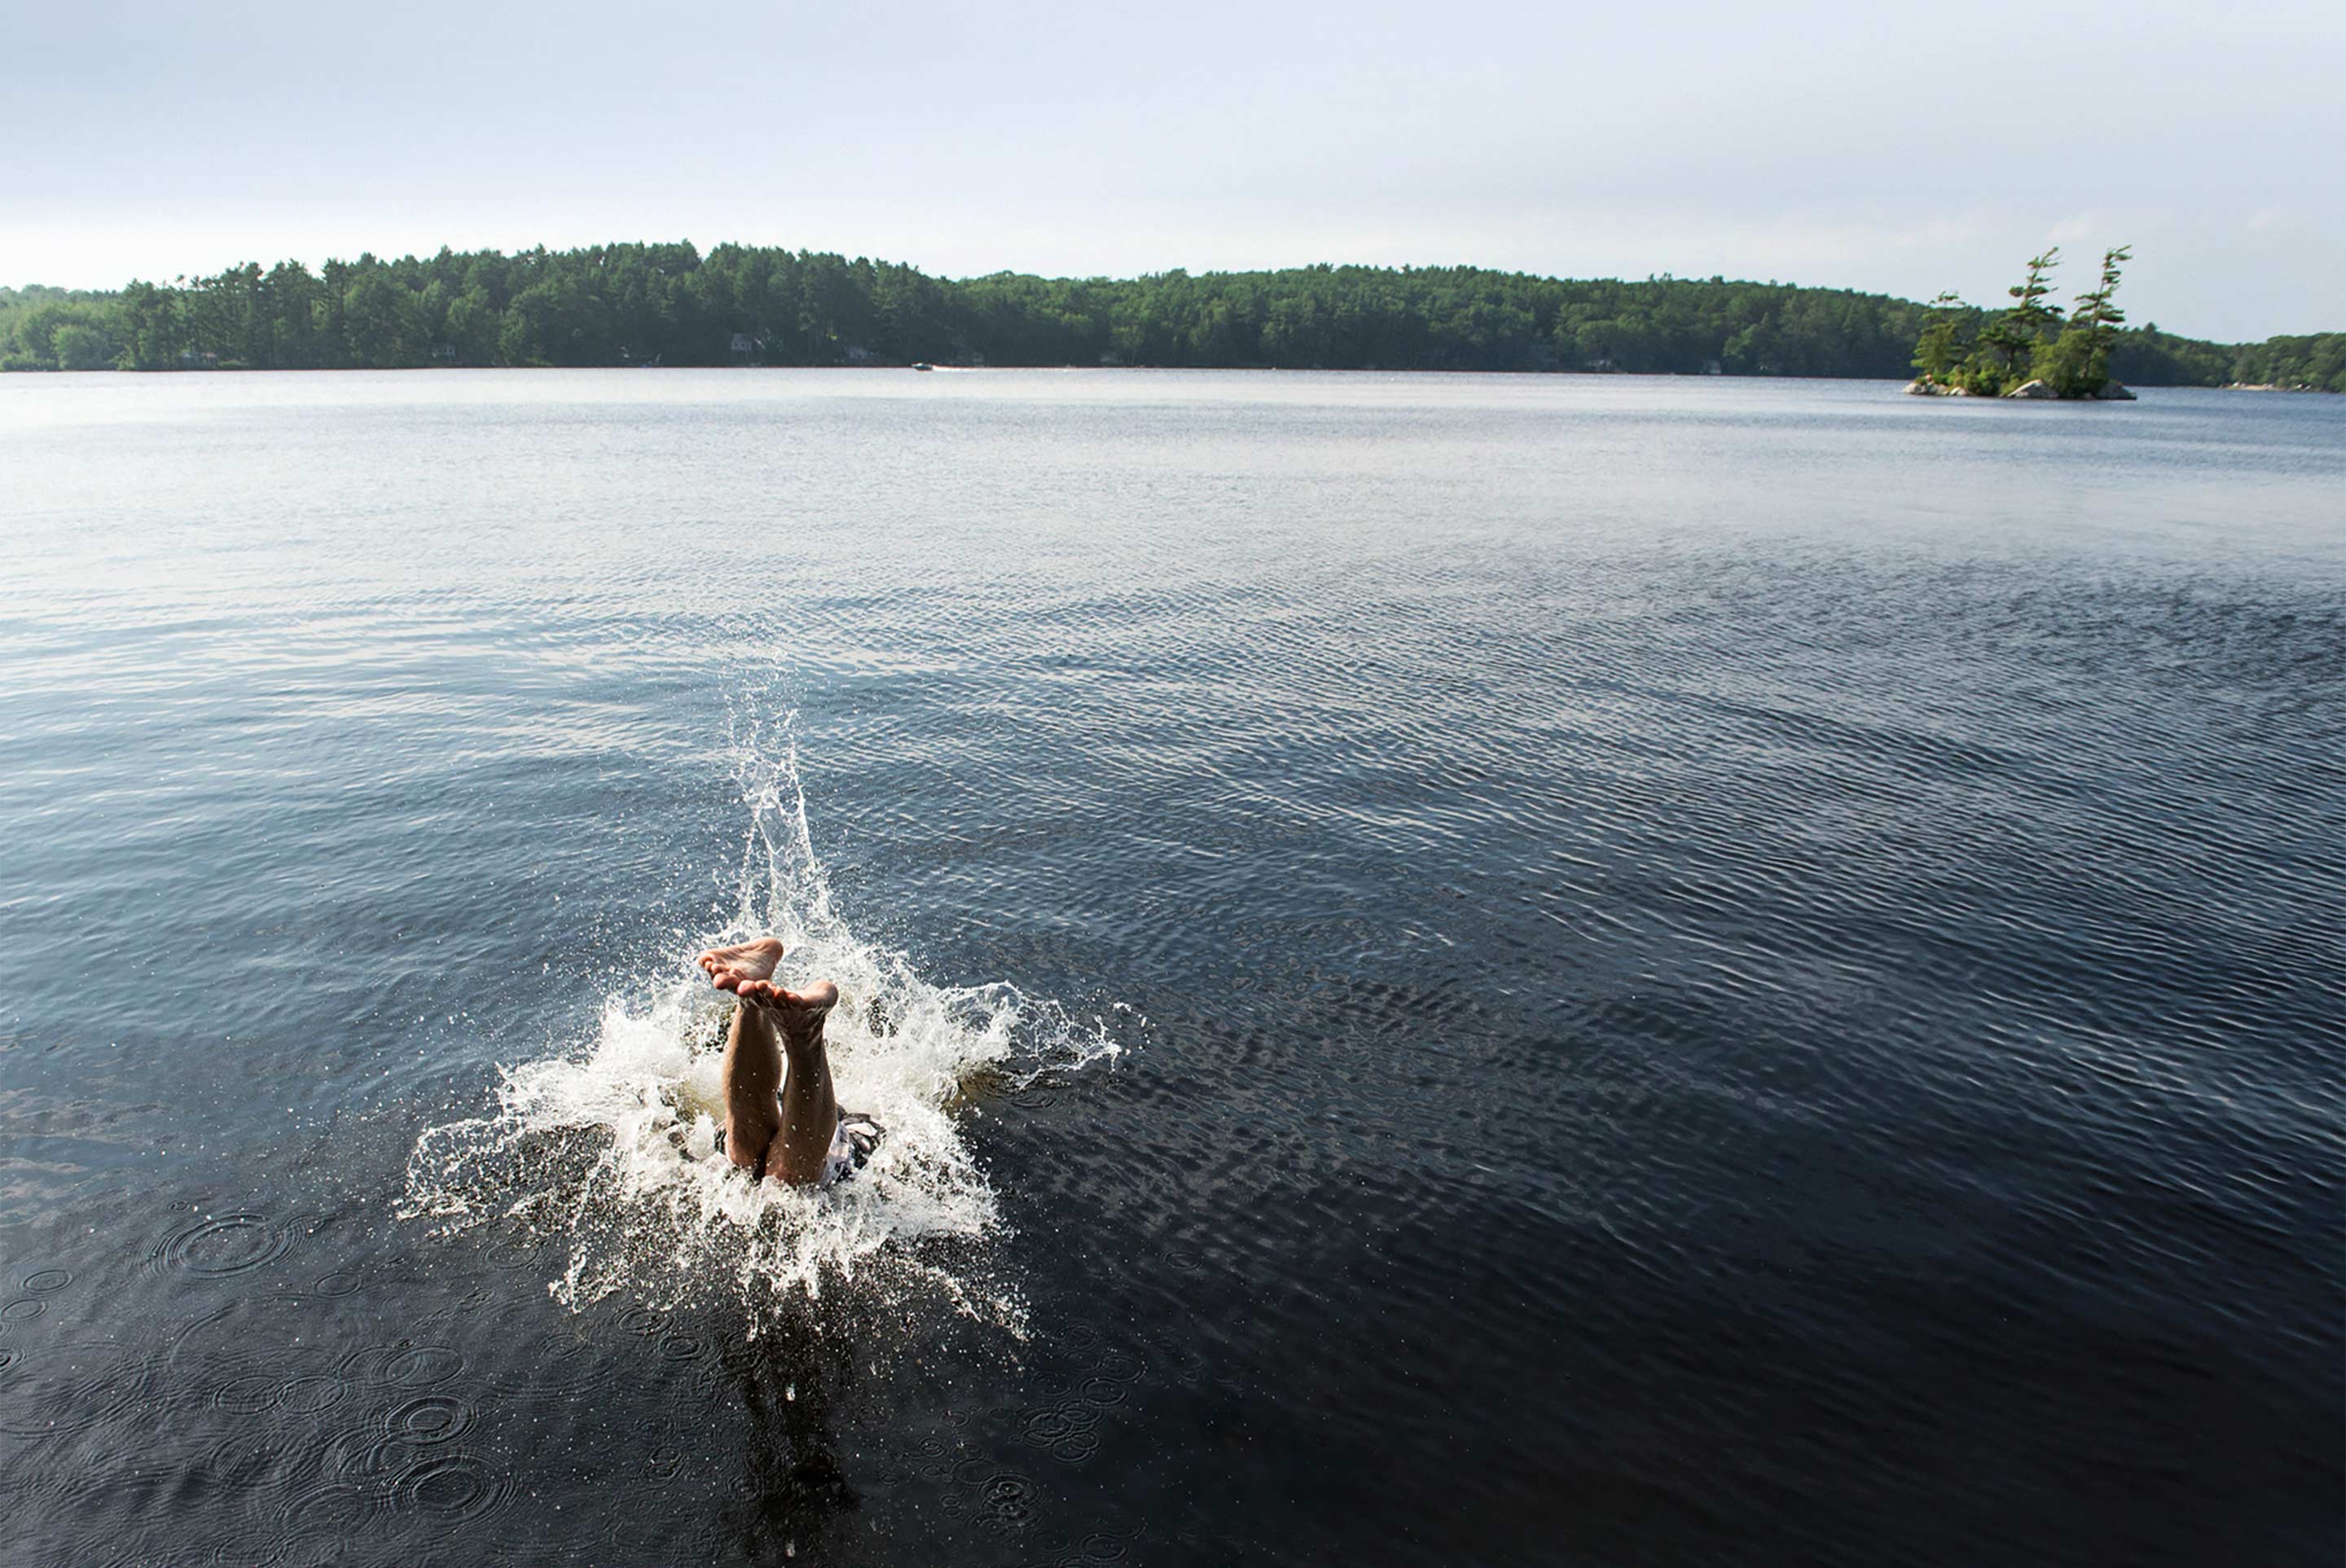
(2101,317)
(1937,351)
(2008,342)
(2025,322)
(2078,363)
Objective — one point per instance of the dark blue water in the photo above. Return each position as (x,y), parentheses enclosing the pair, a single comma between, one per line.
(1497,970)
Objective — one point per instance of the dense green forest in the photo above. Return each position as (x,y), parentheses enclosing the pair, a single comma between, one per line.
(671,305)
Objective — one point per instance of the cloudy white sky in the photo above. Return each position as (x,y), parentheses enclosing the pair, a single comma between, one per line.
(1892,147)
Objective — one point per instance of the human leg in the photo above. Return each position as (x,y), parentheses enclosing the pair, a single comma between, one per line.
(753,1078)
(809,1110)
(786,1135)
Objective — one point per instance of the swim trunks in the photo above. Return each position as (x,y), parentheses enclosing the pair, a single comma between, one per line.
(852,1143)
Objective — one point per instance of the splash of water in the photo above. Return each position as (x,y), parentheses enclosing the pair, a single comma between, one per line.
(611,1147)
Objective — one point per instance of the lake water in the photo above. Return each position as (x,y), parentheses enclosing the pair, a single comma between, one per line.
(1491,969)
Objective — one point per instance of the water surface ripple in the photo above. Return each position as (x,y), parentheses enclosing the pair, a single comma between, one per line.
(1546,969)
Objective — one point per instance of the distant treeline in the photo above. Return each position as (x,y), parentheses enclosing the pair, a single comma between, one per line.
(668,304)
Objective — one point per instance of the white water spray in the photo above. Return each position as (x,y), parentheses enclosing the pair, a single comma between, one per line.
(611,1148)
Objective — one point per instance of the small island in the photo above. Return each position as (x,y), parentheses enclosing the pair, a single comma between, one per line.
(2028,351)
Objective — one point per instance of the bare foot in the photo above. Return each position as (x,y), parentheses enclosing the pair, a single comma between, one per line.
(731,967)
(746,969)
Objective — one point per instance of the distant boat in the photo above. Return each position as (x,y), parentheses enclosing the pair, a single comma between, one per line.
(922,365)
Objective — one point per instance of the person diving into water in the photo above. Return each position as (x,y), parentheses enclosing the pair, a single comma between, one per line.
(787,1126)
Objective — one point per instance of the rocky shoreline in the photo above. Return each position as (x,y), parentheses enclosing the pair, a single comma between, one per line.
(2030,390)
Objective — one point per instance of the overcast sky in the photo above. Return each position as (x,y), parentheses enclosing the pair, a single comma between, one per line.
(1898,148)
